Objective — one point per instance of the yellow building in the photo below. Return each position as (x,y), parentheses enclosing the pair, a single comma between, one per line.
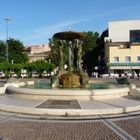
(38,52)
(123,48)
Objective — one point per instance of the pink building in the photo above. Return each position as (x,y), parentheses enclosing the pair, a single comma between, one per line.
(38,52)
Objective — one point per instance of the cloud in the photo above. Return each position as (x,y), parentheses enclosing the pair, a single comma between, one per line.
(47,31)
(62,25)
(43,33)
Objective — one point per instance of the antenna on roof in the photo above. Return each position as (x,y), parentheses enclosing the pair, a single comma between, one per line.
(69,28)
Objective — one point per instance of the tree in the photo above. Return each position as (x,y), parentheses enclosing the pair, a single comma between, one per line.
(94,52)
(8,69)
(2,51)
(16,51)
(41,66)
(30,68)
(89,48)
(101,52)
(38,67)
(16,68)
(5,67)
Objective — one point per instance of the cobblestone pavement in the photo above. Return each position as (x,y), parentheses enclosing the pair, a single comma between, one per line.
(13,127)
(131,126)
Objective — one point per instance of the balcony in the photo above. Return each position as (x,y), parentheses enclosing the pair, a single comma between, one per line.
(125,64)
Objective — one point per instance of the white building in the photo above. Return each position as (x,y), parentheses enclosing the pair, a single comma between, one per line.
(124,31)
(123,47)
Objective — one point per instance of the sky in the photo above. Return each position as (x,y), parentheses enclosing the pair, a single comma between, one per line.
(33,22)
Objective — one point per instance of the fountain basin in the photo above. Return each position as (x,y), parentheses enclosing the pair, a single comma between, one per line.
(66,94)
(90,101)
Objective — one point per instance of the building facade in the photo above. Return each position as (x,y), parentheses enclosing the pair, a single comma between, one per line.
(123,47)
(37,52)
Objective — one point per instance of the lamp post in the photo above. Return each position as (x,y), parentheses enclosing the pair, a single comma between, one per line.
(7,19)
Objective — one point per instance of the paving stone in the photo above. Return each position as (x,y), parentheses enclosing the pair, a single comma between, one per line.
(11,100)
(131,126)
(24,130)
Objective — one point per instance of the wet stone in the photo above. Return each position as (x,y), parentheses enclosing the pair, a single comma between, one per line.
(61,104)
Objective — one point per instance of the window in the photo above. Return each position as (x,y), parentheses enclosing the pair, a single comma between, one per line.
(115,59)
(135,35)
(127,59)
(138,58)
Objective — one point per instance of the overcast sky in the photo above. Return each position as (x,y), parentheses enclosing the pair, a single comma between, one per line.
(35,21)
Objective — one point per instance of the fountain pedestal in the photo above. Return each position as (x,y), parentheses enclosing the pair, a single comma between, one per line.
(73,78)
(69,80)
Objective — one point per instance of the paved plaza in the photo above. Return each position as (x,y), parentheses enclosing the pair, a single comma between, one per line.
(17,126)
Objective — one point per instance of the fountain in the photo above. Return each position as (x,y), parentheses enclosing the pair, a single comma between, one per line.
(78,101)
(74,77)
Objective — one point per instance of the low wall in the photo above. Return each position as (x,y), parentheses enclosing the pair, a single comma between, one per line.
(66,94)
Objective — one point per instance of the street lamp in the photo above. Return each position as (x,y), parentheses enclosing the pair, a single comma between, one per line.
(7,19)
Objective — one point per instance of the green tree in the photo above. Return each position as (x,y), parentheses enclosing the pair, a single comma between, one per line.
(41,66)
(29,68)
(2,51)
(100,51)
(5,68)
(49,67)
(94,52)
(89,48)
(16,51)
(8,69)
(16,68)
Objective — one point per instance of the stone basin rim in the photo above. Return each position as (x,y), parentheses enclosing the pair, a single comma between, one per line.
(65,94)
